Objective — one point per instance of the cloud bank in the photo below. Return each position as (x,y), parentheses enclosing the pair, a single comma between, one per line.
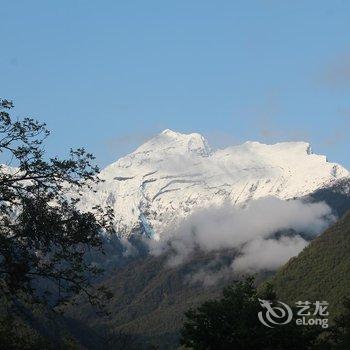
(257,231)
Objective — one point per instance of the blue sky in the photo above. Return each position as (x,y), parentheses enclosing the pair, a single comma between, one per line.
(107,75)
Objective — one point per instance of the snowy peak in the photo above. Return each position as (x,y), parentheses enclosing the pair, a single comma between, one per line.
(297,150)
(166,149)
(172,142)
(298,147)
(172,174)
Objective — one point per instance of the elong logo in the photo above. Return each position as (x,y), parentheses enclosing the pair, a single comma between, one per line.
(281,314)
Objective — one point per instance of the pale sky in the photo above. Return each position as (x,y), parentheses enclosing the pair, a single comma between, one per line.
(107,75)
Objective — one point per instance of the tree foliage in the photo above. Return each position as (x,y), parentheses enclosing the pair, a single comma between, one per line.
(340,335)
(44,237)
(232,323)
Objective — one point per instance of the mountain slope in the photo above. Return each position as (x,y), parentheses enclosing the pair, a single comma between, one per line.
(336,195)
(150,297)
(321,271)
(172,174)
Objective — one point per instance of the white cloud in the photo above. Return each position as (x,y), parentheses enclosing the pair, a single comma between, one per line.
(268,254)
(249,229)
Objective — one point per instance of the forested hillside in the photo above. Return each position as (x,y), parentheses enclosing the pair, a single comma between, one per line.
(321,271)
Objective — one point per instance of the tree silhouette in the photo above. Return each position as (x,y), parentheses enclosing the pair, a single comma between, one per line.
(232,323)
(44,237)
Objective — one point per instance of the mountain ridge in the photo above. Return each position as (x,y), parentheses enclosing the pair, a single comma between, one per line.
(172,174)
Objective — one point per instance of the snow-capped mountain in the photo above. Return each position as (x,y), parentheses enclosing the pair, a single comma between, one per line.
(172,174)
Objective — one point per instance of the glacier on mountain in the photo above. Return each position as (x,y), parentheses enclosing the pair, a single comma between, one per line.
(172,174)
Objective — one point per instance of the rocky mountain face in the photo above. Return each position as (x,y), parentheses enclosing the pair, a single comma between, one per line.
(336,195)
(172,174)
